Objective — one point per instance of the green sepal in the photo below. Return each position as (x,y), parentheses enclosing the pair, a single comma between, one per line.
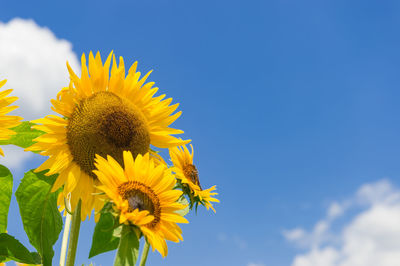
(12,249)
(128,248)
(6,184)
(38,208)
(194,201)
(25,135)
(107,232)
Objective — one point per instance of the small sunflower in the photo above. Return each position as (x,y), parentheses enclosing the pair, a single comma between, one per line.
(143,195)
(188,175)
(103,114)
(7,121)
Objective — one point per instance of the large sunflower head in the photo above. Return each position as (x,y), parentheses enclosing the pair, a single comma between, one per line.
(188,176)
(7,121)
(143,195)
(103,113)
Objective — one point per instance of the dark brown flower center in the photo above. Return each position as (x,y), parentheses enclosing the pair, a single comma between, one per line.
(106,124)
(142,197)
(190,172)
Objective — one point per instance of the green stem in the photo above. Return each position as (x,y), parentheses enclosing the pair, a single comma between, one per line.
(64,245)
(73,241)
(145,252)
(128,247)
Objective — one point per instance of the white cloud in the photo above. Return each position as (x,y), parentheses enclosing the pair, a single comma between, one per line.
(14,156)
(33,60)
(370,238)
(294,235)
(335,210)
(380,192)
(318,257)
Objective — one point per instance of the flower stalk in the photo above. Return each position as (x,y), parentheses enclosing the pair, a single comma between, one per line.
(64,245)
(145,252)
(73,241)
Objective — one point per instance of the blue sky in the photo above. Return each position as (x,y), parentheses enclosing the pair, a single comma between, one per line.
(290,105)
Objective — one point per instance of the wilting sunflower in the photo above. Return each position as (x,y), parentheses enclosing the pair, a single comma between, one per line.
(103,114)
(188,175)
(142,193)
(7,121)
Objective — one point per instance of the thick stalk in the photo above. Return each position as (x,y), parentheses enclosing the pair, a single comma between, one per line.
(64,245)
(145,252)
(67,227)
(128,248)
(73,241)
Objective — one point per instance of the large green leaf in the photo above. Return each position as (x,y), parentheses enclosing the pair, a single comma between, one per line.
(128,249)
(38,207)
(6,183)
(24,137)
(105,236)
(12,249)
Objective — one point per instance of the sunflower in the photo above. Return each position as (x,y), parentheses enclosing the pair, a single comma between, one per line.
(7,121)
(103,113)
(188,175)
(143,195)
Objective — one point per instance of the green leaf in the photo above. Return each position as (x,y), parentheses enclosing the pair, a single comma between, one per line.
(128,249)
(105,236)
(40,216)
(24,137)
(12,249)
(6,183)
(184,201)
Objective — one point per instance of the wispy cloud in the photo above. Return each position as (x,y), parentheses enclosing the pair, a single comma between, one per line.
(255,264)
(370,238)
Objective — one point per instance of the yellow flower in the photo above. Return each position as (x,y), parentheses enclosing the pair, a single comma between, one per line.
(7,121)
(103,114)
(143,195)
(188,175)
